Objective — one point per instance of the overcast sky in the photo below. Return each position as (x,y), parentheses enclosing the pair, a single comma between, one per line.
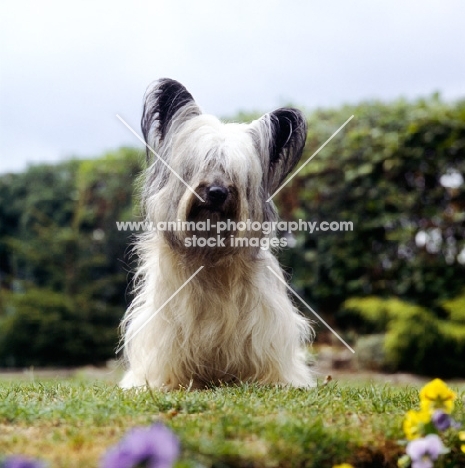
(68,67)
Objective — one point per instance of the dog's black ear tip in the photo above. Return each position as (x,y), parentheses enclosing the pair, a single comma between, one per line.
(286,129)
(162,86)
(290,116)
(289,127)
(169,82)
(289,111)
(163,99)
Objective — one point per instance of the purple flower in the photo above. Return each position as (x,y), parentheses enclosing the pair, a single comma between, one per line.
(148,447)
(21,462)
(442,421)
(425,450)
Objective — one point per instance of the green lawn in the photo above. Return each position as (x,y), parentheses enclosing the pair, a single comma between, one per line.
(70,422)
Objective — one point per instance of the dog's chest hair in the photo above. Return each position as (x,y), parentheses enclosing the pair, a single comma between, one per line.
(218,305)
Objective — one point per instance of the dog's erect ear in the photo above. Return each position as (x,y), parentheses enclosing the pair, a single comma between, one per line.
(282,137)
(167,105)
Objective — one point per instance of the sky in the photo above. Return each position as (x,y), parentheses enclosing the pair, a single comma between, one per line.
(67,68)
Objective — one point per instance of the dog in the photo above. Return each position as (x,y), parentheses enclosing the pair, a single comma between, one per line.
(211,312)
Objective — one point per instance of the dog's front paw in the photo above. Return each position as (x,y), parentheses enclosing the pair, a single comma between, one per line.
(131,381)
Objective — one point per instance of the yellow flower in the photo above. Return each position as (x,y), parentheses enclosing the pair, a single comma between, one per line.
(462,438)
(343,465)
(414,423)
(436,395)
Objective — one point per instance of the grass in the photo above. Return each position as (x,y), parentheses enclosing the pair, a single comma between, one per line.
(70,423)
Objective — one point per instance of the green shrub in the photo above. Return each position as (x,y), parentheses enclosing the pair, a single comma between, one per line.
(416,339)
(412,340)
(374,312)
(383,173)
(41,327)
(456,308)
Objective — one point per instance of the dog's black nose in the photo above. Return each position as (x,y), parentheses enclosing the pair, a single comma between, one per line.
(217,195)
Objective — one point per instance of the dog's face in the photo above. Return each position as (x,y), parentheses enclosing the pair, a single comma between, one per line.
(207,170)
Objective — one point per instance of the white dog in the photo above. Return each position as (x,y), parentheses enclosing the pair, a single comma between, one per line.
(207,309)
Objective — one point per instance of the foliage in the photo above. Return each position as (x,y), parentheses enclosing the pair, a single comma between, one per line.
(383,172)
(58,234)
(416,339)
(455,308)
(42,327)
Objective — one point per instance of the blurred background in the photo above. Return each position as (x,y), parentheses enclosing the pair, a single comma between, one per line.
(394,287)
